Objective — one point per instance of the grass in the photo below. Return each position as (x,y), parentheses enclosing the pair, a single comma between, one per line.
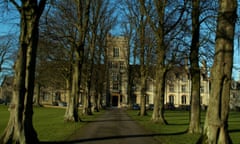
(4,114)
(49,123)
(175,132)
(50,126)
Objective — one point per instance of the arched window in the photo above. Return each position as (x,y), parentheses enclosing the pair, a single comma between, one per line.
(184,99)
(171,99)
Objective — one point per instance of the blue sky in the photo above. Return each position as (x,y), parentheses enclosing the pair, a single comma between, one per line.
(236,59)
(7,27)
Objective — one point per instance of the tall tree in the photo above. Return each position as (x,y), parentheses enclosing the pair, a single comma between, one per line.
(216,122)
(100,22)
(51,67)
(194,126)
(161,26)
(161,52)
(140,46)
(83,10)
(20,128)
(143,70)
(67,24)
(158,113)
(62,27)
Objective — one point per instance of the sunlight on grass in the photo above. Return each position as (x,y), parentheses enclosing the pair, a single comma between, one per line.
(174,133)
(49,123)
(4,114)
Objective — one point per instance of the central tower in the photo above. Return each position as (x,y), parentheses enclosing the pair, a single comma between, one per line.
(117,71)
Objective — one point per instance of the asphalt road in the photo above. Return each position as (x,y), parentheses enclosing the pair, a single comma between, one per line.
(114,127)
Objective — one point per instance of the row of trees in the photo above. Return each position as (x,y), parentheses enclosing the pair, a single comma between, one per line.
(72,44)
(170,22)
(60,33)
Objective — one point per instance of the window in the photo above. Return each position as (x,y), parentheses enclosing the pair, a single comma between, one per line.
(114,76)
(121,65)
(171,88)
(184,89)
(184,99)
(45,96)
(112,64)
(171,99)
(115,86)
(115,52)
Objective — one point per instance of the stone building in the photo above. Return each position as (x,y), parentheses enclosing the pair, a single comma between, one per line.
(121,82)
(177,88)
(117,71)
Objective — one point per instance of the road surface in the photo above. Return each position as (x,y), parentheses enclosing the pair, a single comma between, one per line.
(114,127)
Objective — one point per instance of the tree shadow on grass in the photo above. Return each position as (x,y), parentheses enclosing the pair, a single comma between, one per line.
(234,130)
(112,137)
(109,120)
(178,124)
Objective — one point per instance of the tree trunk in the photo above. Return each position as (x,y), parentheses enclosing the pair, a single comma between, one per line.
(216,123)
(71,114)
(37,96)
(20,128)
(85,102)
(158,29)
(143,111)
(98,102)
(143,71)
(78,50)
(194,125)
(158,110)
(90,72)
(89,105)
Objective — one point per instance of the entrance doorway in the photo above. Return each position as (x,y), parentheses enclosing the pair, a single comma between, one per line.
(114,100)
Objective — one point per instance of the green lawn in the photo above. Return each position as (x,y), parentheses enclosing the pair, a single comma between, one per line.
(174,133)
(49,123)
(50,126)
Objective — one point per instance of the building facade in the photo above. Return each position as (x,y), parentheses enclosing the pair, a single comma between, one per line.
(117,71)
(177,84)
(122,83)
(177,88)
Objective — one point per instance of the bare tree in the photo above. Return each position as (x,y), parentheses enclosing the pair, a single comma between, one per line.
(83,10)
(100,22)
(67,26)
(6,52)
(52,68)
(161,28)
(194,126)
(141,45)
(3,53)
(216,122)
(20,128)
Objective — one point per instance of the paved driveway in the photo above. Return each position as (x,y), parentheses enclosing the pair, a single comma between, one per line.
(114,127)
